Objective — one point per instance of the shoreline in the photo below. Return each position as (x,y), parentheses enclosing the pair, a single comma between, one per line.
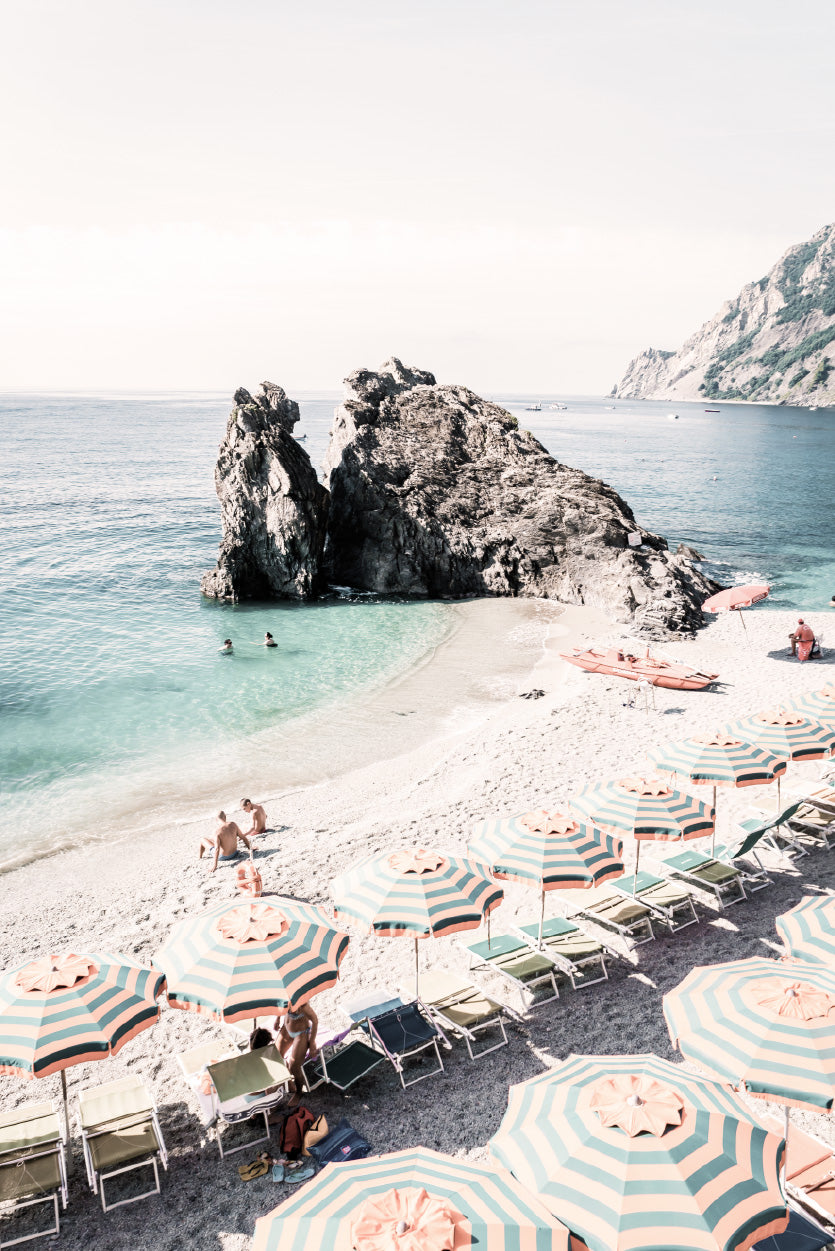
(519,754)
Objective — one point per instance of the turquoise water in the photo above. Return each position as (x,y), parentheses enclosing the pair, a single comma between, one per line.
(114,697)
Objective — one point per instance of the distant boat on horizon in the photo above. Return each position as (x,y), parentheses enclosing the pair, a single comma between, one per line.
(533,408)
(711,410)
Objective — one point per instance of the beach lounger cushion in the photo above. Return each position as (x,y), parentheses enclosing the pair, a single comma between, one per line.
(457,999)
(403,1028)
(344,1066)
(121,1145)
(564,937)
(513,956)
(22,1178)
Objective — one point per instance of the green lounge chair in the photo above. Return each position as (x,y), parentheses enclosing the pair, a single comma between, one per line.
(248,1086)
(668,902)
(120,1133)
(32,1166)
(609,908)
(462,1008)
(579,955)
(400,1029)
(771,831)
(531,973)
(814,825)
(342,1061)
(725,880)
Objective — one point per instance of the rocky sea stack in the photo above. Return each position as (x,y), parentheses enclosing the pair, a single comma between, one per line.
(437,492)
(274,510)
(773,344)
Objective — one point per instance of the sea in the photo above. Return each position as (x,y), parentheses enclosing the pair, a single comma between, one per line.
(115,701)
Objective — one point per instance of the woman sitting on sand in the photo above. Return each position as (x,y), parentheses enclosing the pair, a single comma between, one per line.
(296,1041)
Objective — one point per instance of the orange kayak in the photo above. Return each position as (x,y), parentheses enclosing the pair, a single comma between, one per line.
(640,668)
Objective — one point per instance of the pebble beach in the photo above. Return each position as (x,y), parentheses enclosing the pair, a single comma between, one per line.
(500,755)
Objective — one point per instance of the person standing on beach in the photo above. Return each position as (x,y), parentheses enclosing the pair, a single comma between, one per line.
(257,815)
(224,841)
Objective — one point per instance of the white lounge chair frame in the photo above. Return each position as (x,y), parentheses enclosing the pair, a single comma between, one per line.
(20,1156)
(144,1116)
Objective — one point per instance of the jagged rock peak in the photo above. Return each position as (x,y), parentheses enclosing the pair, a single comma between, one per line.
(435,491)
(273,507)
(773,344)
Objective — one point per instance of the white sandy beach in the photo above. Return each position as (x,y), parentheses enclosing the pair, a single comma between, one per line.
(494,754)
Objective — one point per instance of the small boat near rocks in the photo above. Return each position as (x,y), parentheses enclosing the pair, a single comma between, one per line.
(647,668)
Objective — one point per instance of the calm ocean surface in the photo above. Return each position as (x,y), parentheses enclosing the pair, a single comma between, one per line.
(111,685)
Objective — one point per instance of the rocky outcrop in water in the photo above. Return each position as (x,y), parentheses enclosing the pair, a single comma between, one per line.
(436,492)
(774,343)
(273,508)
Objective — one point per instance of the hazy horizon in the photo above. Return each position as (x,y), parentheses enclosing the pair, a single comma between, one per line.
(201,196)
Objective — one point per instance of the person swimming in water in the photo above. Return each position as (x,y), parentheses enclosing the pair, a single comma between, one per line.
(226,650)
(269,641)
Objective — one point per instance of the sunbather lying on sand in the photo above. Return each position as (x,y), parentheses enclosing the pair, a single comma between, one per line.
(224,841)
(296,1041)
(257,815)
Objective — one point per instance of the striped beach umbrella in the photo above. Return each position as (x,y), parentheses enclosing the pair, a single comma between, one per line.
(416,893)
(414,1200)
(634,1154)
(718,759)
(735,598)
(549,850)
(818,704)
(70,1008)
(244,959)
(765,1027)
(645,808)
(808,930)
(793,735)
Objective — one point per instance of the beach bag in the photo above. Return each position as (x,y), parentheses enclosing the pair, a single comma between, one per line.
(342,1143)
(296,1125)
(317,1131)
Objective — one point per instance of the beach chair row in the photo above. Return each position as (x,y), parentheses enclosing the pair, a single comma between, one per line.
(120,1133)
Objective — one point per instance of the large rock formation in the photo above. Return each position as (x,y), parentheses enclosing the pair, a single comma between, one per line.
(436,492)
(273,508)
(774,343)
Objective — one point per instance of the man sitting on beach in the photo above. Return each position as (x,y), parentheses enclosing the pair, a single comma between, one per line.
(257,815)
(224,841)
(803,634)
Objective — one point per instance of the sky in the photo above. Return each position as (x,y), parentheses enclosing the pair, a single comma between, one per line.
(198,194)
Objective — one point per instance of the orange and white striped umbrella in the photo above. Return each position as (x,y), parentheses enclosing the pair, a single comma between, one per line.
(416,893)
(73,1007)
(818,704)
(244,958)
(766,1027)
(791,735)
(413,1200)
(632,1153)
(808,930)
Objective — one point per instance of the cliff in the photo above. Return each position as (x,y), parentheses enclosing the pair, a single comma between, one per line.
(774,343)
(273,507)
(436,492)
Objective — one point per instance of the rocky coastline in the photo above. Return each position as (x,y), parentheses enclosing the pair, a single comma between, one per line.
(432,491)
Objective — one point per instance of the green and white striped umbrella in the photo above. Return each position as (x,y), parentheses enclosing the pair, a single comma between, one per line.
(416,893)
(808,930)
(444,1203)
(549,850)
(244,958)
(818,704)
(635,1154)
(793,735)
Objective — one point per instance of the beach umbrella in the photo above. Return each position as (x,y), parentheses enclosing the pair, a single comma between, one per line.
(818,704)
(719,759)
(246,958)
(645,808)
(768,1028)
(632,1152)
(549,850)
(413,1200)
(71,1008)
(808,930)
(735,598)
(416,893)
(792,735)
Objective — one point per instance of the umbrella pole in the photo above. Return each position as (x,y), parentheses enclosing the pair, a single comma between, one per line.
(713,840)
(637,860)
(778,793)
(67,1155)
(417,970)
(742,619)
(542,915)
(786,1153)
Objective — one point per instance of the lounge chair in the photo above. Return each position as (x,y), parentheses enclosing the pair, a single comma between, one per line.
(246,1086)
(810,1171)
(771,831)
(725,880)
(32,1166)
(401,1031)
(120,1132)
(578,955)
(668,902)
(459,1006)
(609,908)
(531,973)
(342,1060)
(193,1064)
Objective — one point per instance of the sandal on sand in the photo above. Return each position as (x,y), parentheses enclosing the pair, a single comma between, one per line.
(258,1168)
(300,1173)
